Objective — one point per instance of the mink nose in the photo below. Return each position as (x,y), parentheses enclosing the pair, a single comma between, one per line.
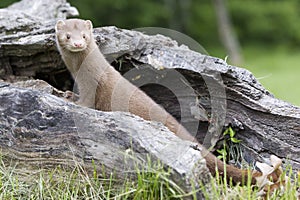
(77,44)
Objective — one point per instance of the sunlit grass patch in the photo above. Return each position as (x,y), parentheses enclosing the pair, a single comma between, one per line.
(152,181)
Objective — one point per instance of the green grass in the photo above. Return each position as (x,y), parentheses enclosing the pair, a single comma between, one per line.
(278,69)
(151,183)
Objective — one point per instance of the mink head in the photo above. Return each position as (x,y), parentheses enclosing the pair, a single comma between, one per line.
(74,35)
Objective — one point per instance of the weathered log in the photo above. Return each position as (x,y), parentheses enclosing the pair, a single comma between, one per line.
(39,130)
(30,23)
(230,95)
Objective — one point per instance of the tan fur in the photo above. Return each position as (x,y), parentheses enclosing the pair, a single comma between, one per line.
(113,92)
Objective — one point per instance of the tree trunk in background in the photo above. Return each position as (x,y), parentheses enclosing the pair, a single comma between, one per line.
(227,36)
(179,13)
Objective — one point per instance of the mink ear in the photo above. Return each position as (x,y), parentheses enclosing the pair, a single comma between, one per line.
(59,25)
(89,24)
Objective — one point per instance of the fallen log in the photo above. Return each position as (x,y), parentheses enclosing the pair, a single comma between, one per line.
(222,95)
(40,131)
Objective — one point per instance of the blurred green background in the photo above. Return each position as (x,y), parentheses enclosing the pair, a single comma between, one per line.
(268,31)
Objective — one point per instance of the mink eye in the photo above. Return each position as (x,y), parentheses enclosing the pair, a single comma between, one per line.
(83,36)
(68,36)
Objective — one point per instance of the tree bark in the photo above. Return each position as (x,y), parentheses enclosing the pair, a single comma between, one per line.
(40,130)
(222,95)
